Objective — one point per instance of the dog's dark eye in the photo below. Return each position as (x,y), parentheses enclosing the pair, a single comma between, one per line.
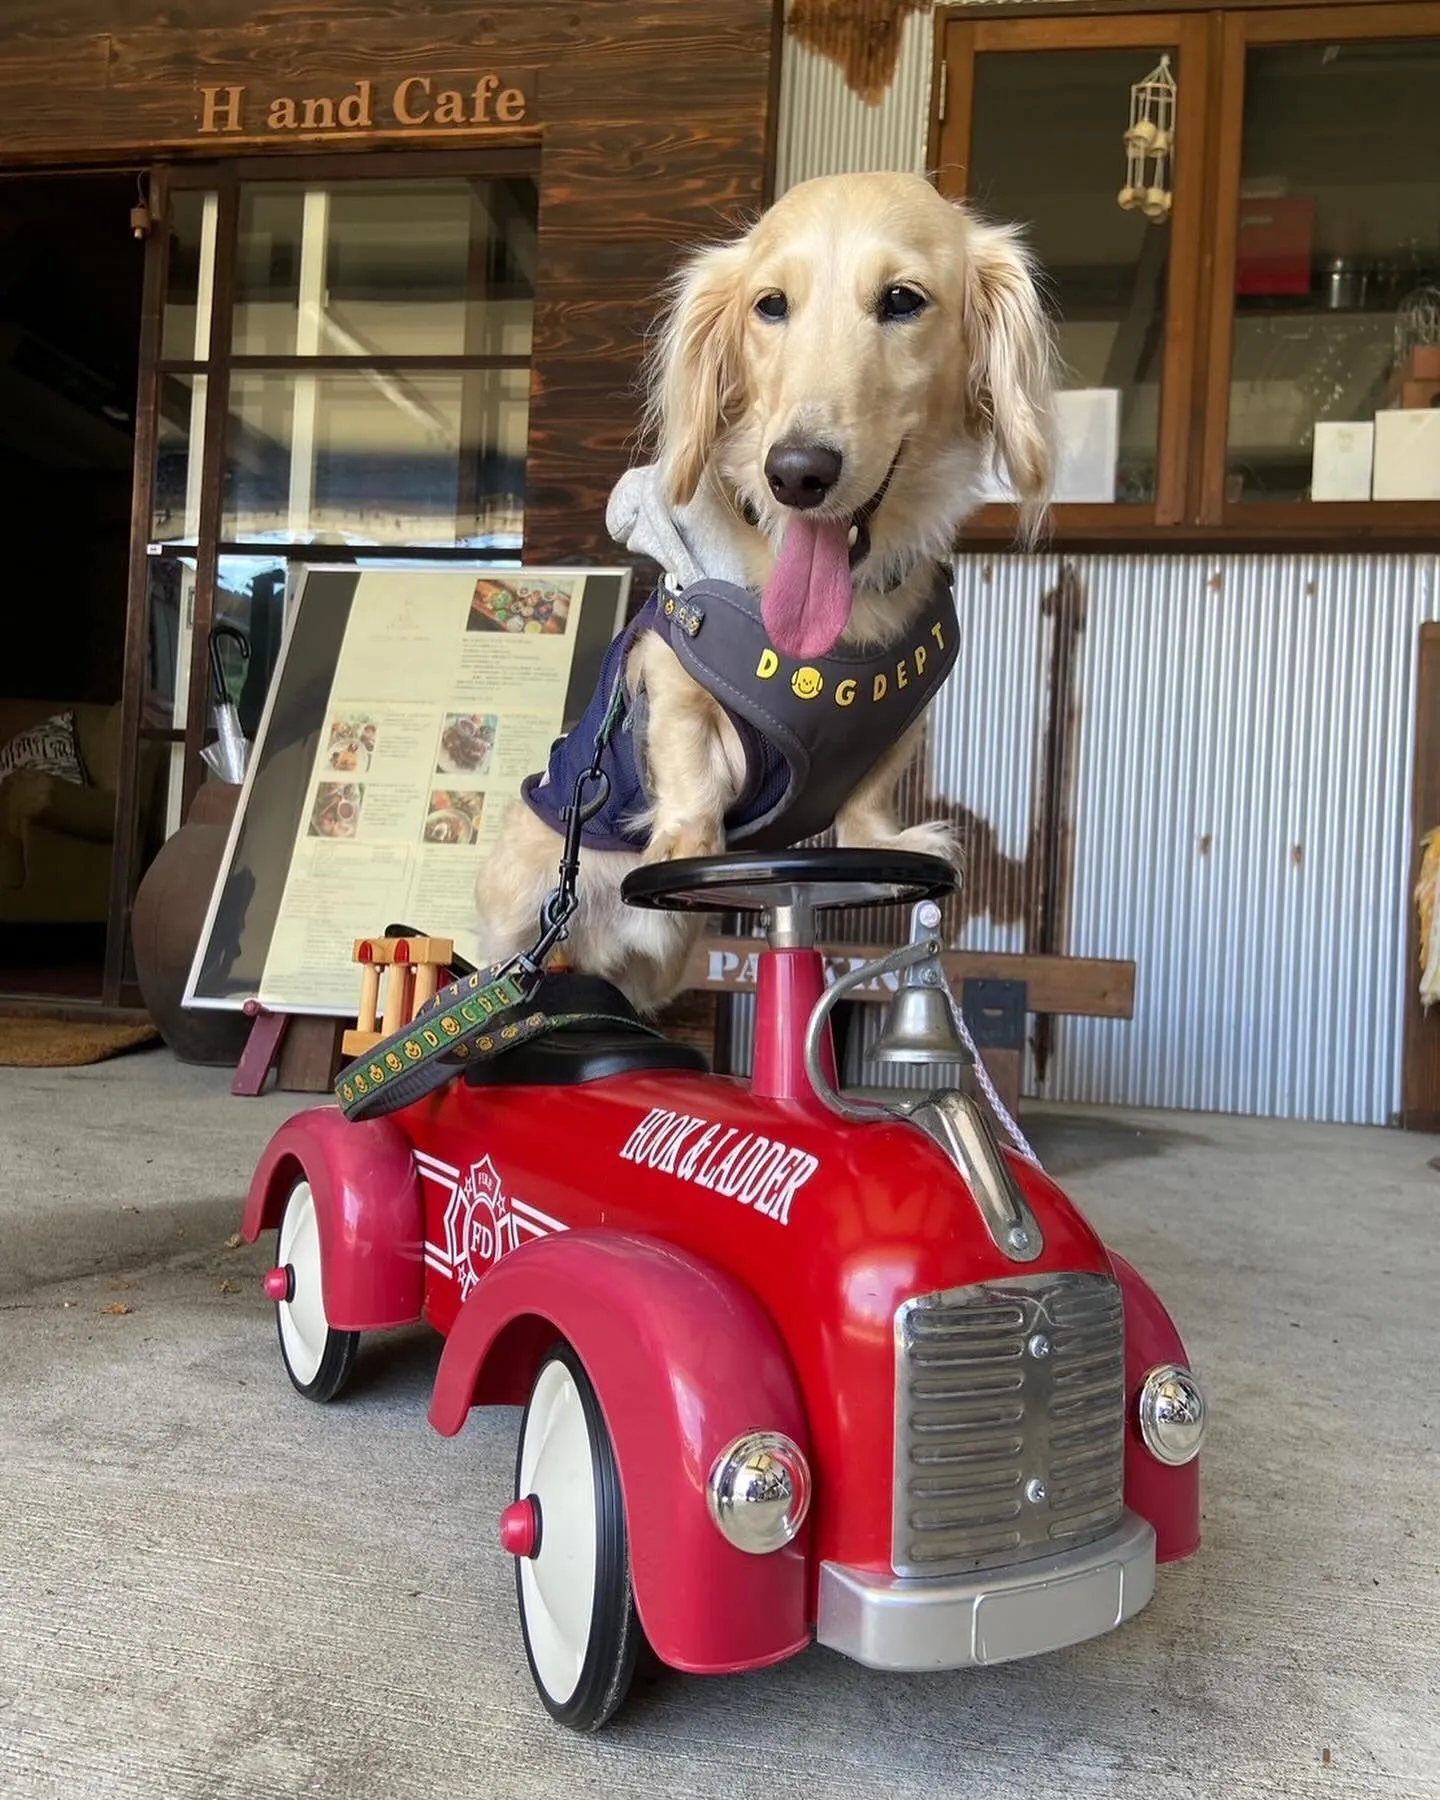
(773,306)
(902,302)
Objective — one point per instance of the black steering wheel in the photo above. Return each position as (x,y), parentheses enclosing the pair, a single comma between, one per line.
(747,881)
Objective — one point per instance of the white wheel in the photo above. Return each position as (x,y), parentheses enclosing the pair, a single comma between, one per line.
(318,1359)
(577,1608)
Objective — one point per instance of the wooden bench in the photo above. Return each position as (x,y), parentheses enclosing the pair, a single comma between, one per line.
(998,990)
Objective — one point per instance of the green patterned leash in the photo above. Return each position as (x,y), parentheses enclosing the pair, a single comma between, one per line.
(478,1016)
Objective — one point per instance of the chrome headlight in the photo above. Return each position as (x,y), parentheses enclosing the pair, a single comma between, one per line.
(1172,1414)
(759,1491)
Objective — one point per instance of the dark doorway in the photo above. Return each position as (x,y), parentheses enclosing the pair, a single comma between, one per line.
(70,311)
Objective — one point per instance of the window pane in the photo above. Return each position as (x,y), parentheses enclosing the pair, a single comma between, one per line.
(251,598)
(185,330)
(180,436)
(1048,153)
(1337,312)
(377,458)
(394,268)
(267,270)
(171,582)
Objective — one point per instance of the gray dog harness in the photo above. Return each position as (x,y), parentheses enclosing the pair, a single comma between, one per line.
(811,730)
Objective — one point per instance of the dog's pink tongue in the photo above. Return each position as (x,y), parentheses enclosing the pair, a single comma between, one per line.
(807,604)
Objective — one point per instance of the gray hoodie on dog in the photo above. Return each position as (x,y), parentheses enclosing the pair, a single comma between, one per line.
(680,538)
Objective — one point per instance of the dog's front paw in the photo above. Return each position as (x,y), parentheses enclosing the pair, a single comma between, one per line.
(930,839)
(683,841)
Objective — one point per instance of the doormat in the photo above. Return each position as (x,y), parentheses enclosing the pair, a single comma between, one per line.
(44,1043)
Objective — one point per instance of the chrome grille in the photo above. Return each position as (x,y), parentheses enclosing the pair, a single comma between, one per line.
(1010,1421)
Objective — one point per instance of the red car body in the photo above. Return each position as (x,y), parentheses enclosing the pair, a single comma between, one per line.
(725,1257)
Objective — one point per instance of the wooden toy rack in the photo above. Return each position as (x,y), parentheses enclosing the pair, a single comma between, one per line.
(399,976)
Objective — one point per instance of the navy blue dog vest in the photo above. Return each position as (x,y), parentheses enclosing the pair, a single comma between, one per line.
(811,730)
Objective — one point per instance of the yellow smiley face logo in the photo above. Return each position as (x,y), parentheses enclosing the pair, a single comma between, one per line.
(806,682)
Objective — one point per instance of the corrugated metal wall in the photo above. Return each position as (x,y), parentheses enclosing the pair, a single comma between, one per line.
(824,128)
(1241,830)
(1240,816)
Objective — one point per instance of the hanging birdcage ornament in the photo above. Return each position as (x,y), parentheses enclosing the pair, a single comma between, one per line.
(1150,144)
(1417,321)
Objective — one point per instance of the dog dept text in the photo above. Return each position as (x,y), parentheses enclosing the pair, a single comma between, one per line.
(807,683)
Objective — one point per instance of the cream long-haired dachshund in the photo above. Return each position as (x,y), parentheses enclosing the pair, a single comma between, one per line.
(828,397)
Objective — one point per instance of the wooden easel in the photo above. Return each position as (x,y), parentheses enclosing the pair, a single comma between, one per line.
(399,975)
(301,1048)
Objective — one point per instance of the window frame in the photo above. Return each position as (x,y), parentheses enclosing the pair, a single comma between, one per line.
(1240,31)
(1190,508)
(226,179)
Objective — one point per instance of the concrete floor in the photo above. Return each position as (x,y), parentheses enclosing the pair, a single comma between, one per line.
(212,1590)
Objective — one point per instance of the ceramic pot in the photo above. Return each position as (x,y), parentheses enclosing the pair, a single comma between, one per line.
(165,925)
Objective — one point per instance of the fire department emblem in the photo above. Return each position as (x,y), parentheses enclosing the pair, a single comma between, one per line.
(478,1224)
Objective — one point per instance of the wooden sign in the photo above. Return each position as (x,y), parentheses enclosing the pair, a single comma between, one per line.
(1089,986)
(409,105)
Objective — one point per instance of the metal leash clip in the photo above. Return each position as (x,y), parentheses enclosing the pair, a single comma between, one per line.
(562,899)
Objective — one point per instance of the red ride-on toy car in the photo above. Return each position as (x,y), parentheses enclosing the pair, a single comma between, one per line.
(794,1365)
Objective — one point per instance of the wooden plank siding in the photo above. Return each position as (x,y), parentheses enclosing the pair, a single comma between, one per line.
(1420,1071)
(653,122)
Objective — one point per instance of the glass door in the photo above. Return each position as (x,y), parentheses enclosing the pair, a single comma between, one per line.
(1033,125)
(344,363)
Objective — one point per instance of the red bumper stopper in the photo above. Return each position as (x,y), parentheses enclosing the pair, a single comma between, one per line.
(520,1527)
(277,1285)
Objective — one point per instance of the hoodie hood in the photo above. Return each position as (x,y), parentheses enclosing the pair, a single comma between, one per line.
(688,542)
(808,600)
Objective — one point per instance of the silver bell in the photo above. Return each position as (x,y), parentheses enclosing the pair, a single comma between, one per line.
(919,1028)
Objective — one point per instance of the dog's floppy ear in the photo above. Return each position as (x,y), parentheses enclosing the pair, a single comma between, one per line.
(1012,363)
(694,375)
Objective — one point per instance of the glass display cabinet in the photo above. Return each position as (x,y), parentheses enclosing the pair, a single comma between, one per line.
(1245,277)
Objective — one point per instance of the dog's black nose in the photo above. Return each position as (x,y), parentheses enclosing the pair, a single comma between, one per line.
(801,475)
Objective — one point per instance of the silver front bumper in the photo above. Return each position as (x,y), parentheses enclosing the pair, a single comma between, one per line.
(994,1616)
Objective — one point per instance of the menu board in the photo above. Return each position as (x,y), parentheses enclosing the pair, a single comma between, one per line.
(379,790)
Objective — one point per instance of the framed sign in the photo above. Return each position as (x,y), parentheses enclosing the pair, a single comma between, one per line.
(406,709)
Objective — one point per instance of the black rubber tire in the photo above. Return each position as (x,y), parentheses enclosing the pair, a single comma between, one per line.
(337,1366)
(615,1631)
(337,1359)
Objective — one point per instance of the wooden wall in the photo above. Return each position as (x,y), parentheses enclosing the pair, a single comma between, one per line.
(1420,1066)
(653,115)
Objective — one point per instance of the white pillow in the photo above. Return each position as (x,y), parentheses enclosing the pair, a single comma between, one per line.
(51,747)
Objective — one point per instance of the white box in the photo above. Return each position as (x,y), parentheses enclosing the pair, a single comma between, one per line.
(1087,442)
(1087,422)
(1343,461)
(1407,455)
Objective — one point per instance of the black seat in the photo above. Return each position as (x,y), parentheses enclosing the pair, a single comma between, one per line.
(617,1043)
